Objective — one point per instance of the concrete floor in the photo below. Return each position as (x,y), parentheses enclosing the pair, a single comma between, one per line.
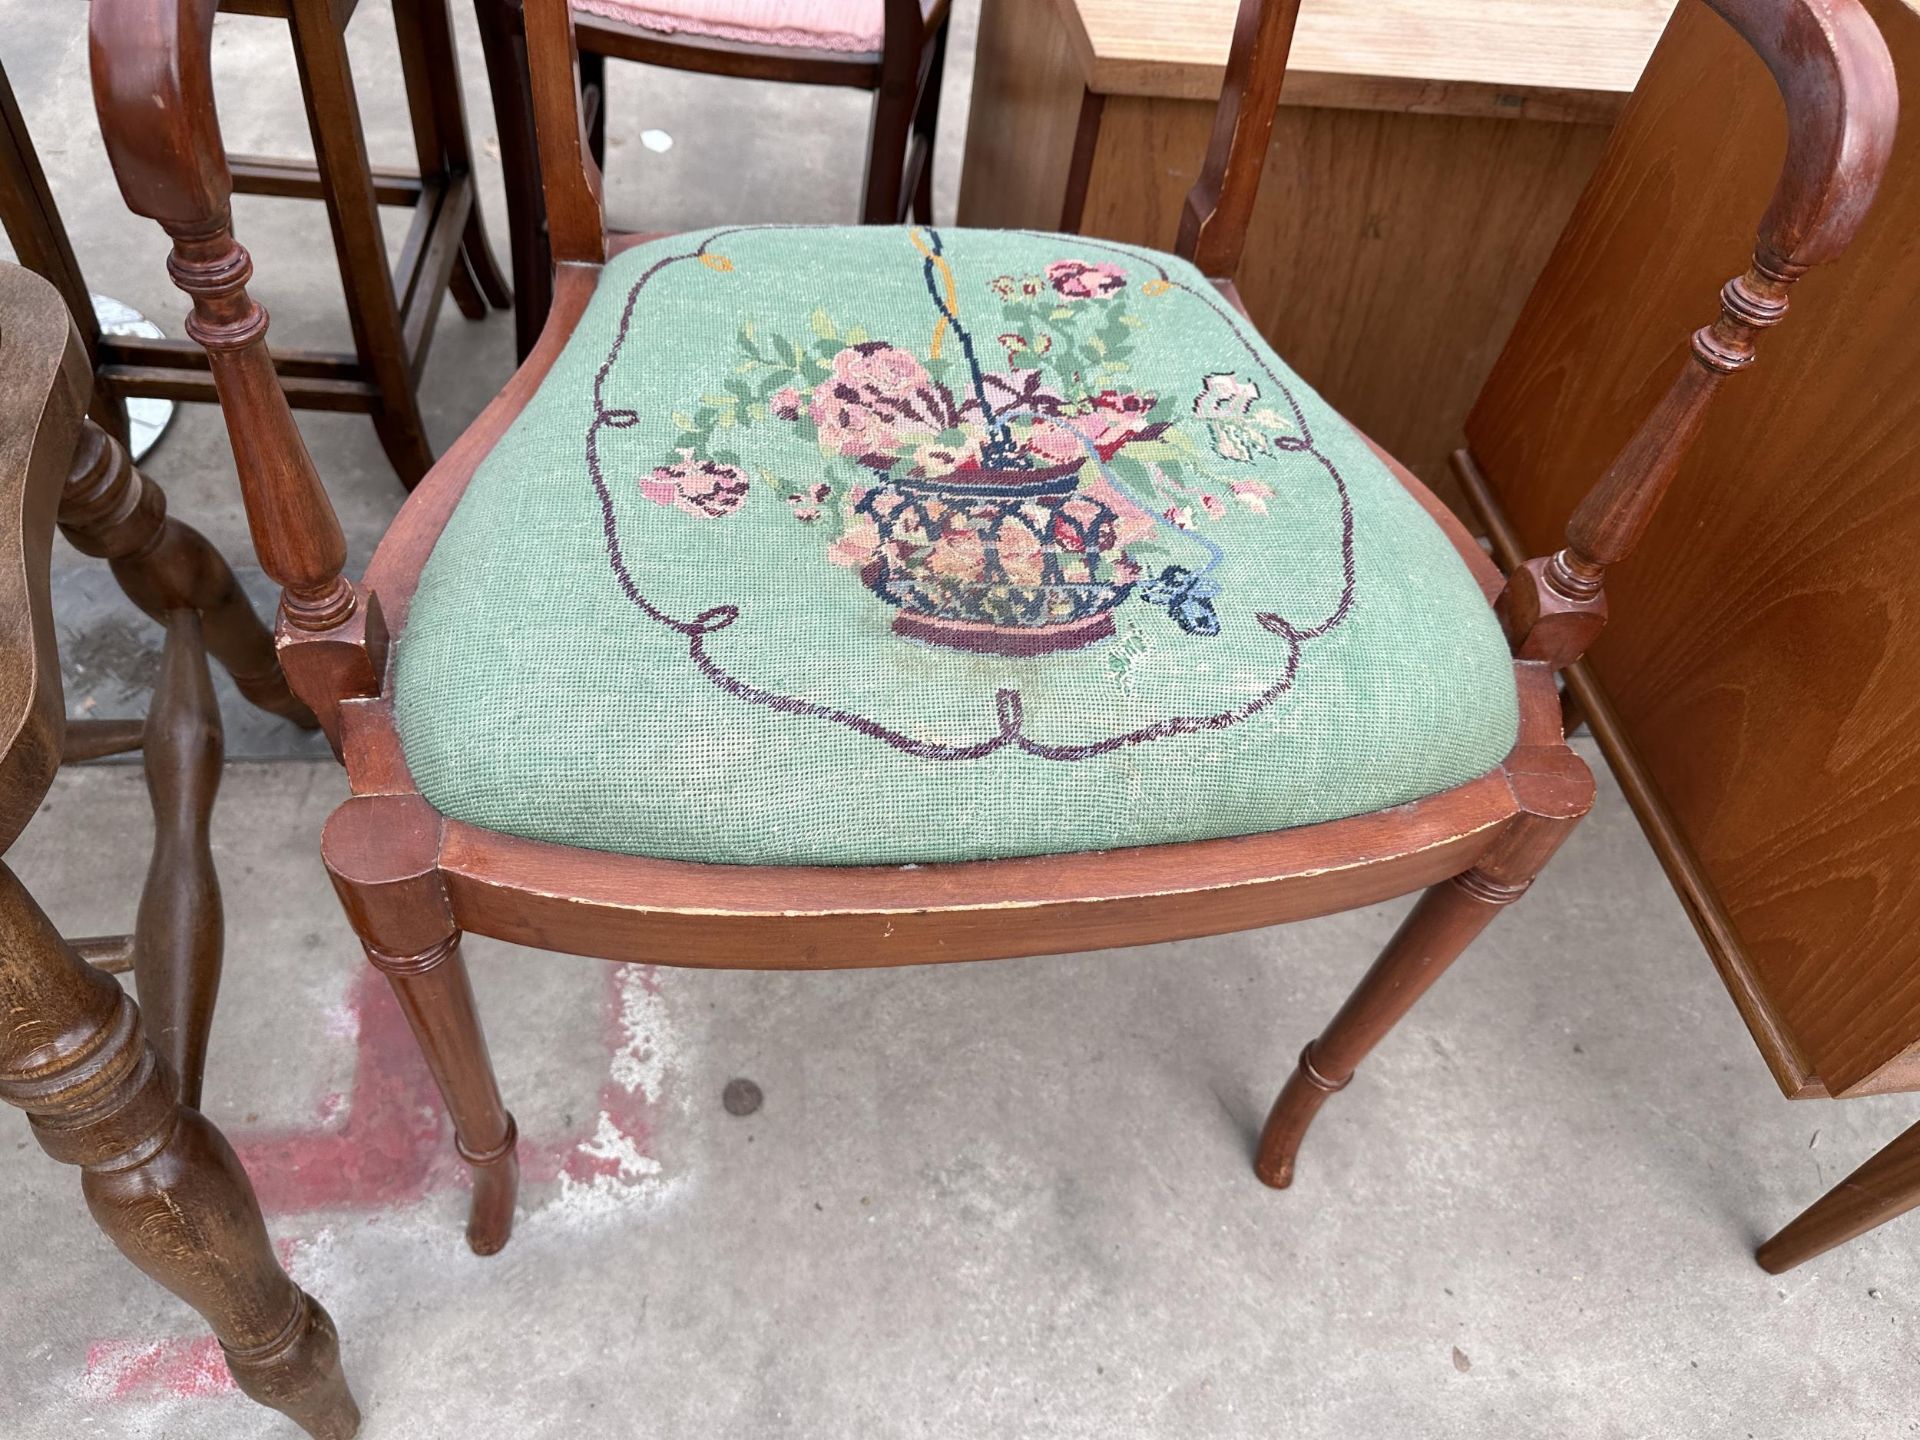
(1006,1200)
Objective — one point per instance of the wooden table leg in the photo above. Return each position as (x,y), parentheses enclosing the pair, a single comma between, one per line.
(432,67)
(160,1180)
(340,147)
(1883,1189)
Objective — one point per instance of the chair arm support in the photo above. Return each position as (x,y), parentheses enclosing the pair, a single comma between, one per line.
(152,68)
(1837,80)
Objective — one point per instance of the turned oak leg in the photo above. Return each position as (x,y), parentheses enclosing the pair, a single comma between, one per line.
(178,935)
(110,509)
(1883,1189)
(382,854)
(1443,923)
(159,1179)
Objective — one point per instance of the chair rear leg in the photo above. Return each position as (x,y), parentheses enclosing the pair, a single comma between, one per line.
(1443,922)
(382,852)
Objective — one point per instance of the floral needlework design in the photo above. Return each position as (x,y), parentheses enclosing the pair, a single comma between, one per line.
(997,478)
(1004,496)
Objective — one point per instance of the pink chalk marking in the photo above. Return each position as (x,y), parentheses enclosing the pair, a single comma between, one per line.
(394,1147)
(151,1370)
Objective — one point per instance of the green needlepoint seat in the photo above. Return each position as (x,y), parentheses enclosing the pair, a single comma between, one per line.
(887,545)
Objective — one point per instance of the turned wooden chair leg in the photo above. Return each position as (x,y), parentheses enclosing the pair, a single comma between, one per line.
(1883,1189)
(382,853)
(159,1179)
(178,936)
(1442,923)
(110,509)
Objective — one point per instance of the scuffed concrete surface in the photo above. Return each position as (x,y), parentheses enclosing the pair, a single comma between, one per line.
(1003,1200)
(1008,1199)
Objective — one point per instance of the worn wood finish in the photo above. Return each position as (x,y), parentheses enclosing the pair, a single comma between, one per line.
(904,78)
(412,881)
(1423,160)
(109,509)
(391,313)
(1504,58)
(1757,682)
(75,1055)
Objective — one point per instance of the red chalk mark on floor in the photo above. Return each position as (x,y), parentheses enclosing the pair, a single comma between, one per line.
(165,1369)
(395,1146)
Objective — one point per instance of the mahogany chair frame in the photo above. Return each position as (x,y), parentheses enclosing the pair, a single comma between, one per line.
(904,76)
(106,1088)
(390,307)
(412,880)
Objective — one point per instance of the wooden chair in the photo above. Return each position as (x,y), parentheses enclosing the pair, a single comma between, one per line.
(903,72)
(106,1088)
(413,876)
(391,308)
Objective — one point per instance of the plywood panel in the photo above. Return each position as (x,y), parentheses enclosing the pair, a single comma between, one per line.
(1391,252)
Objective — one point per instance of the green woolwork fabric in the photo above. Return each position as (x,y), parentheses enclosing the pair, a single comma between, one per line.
(885,545)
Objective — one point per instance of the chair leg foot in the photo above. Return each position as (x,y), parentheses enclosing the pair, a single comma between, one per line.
(382,853)
(300,1376)
(496,1187)
(1300,1100)
(1443,922)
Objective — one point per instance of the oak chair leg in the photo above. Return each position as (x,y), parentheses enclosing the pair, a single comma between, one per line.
(1883,1189)
(110,509)
(158,1178)
(1443,922)
(179,932)
(382,852)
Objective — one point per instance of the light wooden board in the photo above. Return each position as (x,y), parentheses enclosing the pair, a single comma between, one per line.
(1536,59)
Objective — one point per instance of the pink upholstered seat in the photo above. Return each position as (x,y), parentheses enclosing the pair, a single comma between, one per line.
(854,25)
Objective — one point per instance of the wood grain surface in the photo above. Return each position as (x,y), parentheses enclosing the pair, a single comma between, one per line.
(1574,59)
(1762,658)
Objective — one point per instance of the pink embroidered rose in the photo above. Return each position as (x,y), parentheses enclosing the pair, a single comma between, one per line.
(880,370)
(786,403)
(1126,569)
(1253,494)
(1077,280)
(935,459)
(703,488)
(856,544)
(1213,505)
(1180,516)
(1056,444)
(848,427)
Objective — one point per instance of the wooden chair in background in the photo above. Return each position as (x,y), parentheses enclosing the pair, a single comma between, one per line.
(1755,696)
(107,1087)
(412,878)
(904,72)
(391,306)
